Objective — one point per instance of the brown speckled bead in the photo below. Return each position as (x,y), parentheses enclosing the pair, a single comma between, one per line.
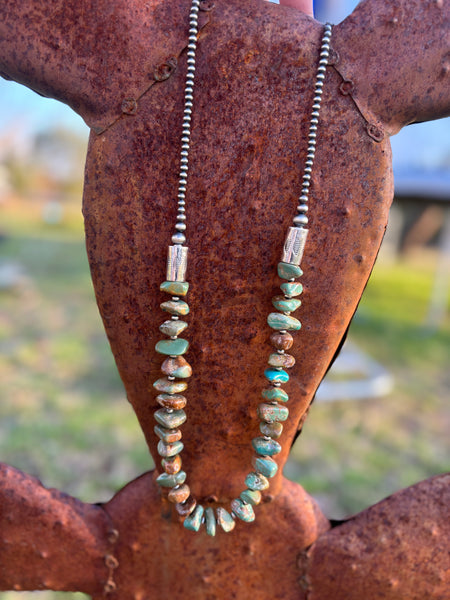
(281,341)
(174,401)
(281,360)
(171,465)
(167,435)
(180,494)
(177,367)
(185,508)
(272,430)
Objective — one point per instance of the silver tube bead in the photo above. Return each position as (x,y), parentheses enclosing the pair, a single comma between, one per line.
(294,245)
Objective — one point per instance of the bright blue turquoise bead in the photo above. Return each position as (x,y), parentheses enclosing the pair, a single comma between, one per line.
(276,375)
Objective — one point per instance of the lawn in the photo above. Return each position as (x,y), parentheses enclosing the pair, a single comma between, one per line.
(63,410)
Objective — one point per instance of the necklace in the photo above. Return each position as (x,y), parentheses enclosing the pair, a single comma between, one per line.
(272,412)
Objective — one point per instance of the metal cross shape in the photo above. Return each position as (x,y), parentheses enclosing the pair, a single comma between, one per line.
(120,65)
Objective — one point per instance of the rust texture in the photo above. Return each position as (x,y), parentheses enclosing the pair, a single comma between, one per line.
(121,66)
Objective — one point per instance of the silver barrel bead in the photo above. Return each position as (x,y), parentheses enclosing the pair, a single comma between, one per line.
(176,263)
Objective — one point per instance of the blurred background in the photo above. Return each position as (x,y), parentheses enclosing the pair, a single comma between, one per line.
(381,419)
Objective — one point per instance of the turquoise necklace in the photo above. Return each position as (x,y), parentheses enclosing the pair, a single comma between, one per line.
(272,412)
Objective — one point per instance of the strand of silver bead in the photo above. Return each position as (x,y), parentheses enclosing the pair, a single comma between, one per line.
(272,412)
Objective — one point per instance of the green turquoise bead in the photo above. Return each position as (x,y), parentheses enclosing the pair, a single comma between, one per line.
(288,271)
(287,305)
(166,480)
(266,466)
(272,413)
(256,481)
(172,347)
(210,521)
(168,450)
(173,328)
(266,447)
(175,307)
(279,322)
(176,288)
(275,393)
(193,521)
(276,375)
(170,387)
(242,511)
(251,497)
(167,435)
(291,289)
(170,420)
(225,520)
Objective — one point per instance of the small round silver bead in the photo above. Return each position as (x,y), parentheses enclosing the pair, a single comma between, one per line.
(178,238)
(301,220)
(180,226)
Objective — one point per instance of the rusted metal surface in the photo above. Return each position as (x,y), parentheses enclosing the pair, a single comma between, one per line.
(49,540)
(121,66)
(395,550)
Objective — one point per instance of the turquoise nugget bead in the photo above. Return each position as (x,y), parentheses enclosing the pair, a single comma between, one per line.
(170,420)
(279,322)
(275,393)
(176,288)
(175,307)
(251,497)
(266,447)
(170,387)
(255,481)
(266,466)
(242,511)
(168,450)
(272,413)
(287,305)
(194,521)
(166,480)
(172,347)
(173,327)
(291,289)
(276,375)
(288,271)
(225,520)
(210,521)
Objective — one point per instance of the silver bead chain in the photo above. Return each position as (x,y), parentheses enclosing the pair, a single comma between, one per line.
(300,220)
(179,237)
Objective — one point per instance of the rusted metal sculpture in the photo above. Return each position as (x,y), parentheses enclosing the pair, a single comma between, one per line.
(120,65)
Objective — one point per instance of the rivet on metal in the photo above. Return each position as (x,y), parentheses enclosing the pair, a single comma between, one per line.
(347,87)
(164,70)
(129,106)
(375,132)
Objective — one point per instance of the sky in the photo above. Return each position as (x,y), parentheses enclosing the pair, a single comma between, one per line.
(424,147)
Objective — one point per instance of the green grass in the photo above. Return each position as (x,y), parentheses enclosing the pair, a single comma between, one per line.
(63,409)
